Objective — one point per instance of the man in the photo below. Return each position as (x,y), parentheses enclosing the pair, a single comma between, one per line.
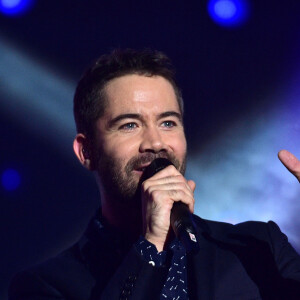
(128,111)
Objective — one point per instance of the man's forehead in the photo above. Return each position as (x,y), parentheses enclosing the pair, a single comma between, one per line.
(138,93)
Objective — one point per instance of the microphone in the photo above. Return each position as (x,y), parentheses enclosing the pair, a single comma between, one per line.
(181,219)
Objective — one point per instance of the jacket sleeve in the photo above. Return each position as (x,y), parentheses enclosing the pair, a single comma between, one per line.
(288,263)
(287,259)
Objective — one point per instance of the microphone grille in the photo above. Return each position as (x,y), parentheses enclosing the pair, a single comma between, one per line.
(156,165)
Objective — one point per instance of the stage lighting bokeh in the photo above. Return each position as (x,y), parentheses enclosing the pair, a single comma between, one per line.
(10,179)
(15,7)
(229,13)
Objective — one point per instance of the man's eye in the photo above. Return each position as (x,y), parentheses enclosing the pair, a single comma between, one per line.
(169,124)
(128,126)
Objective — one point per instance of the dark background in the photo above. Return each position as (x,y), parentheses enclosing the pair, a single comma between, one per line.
(222,71)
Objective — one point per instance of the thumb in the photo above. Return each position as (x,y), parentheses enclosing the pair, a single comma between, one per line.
(192,185)
(291,162)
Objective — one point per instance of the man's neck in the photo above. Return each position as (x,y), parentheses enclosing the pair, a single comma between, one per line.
(123,218)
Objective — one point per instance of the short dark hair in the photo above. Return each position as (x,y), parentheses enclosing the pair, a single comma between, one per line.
(89,99)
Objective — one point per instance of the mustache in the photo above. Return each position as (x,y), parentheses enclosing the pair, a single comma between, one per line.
(145,158)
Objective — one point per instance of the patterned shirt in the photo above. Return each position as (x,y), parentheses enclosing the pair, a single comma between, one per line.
(175,287)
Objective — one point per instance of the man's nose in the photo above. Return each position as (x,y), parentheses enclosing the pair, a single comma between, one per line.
(152,140)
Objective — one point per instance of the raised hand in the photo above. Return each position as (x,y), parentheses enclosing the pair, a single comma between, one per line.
(158,195)
(291,162)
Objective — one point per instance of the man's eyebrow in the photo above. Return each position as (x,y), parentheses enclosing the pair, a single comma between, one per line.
(170,114)
(122,117)
(165,114)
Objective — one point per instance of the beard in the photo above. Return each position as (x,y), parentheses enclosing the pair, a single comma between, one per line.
(120,183)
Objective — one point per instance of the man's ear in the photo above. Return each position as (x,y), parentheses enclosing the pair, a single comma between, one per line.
(82,150)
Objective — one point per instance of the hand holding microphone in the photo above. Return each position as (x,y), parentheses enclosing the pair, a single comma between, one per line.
(167,199)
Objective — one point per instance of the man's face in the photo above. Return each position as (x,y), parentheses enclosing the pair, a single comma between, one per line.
(141,122)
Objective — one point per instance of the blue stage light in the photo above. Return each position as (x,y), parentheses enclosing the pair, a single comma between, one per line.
(10,179)
(15,7)
(228,12)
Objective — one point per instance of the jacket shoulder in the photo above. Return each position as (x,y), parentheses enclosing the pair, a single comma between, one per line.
(253,227)
(63,276)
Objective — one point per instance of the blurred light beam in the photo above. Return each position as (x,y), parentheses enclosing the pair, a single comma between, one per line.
(37,97)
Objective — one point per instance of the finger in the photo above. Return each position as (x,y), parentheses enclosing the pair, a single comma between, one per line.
(192,185)
(170,196)
(172,186)
(166,172)
(291,162)
(178,178)
(182,196)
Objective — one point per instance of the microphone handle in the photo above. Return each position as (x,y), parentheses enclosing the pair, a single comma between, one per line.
(184,227)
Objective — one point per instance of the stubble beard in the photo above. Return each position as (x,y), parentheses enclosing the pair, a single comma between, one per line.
(120,184)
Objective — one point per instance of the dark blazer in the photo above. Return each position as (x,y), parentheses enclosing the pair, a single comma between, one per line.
(251,260)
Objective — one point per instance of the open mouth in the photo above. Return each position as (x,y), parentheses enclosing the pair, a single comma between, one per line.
(142,168)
